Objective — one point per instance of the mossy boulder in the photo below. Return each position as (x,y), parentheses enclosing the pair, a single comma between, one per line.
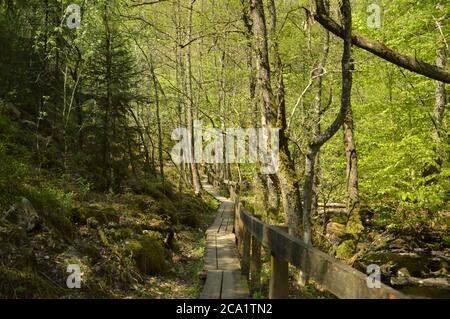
(23,214)
(103,214)
(149,254)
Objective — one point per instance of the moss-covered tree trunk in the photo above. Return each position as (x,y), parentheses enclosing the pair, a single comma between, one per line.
(354,227)
(273,113)
(260,187)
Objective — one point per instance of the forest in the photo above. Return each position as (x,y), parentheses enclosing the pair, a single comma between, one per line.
(123,123)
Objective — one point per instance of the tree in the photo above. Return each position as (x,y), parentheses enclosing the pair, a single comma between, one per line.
(315,145)
(190,104)
(273,117)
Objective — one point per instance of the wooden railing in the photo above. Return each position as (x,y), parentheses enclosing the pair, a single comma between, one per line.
(338,278)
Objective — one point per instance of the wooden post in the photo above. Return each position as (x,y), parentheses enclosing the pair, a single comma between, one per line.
(240,231)
(245,261)
(255,266)
(279,279)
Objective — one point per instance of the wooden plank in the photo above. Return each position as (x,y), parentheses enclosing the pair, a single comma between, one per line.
(213,285)
(340,279)
(230,225)
(215,225)
(210,253)
(227,258)
(233,285)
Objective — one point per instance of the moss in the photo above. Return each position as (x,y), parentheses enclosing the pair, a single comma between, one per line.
(89,249)
(60,225)
(149,255)
(447,241)
(348,248)
(159,191)
(11,233)
(51,204)
(124,233)
(354,225)
(102,213)
(192,210)
(153,206)
(25,284)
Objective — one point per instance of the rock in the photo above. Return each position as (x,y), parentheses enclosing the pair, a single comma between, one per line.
(334,232)
(399,245)
(414,263)
(23,214)
(149,255)
(403,278)
(336,229)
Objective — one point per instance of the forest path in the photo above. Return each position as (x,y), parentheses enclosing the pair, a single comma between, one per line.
(224,280)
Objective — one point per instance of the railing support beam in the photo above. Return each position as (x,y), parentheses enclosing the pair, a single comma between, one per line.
(255,266)
(245,261)
(279,278)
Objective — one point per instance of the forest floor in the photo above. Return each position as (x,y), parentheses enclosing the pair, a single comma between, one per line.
(122,243)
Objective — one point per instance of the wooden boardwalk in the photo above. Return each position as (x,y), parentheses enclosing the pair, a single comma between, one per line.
(222,266)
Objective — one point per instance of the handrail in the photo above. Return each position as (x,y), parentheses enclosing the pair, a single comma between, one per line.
(340,279)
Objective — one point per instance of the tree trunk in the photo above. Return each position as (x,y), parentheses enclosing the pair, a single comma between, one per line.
(180,87)
(158,121)
(274,116)
(318,109)
(441,102)
(107,156)
(190,114)
(260,186)
(354,226)
(317,143)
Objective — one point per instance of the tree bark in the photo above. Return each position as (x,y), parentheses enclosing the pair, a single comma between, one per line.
(317,143)
(353,229)
(190,112)
(107,152)
(351,158)
(441,102)
(318,109)
(158,122)
(273,115)
(260,187)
